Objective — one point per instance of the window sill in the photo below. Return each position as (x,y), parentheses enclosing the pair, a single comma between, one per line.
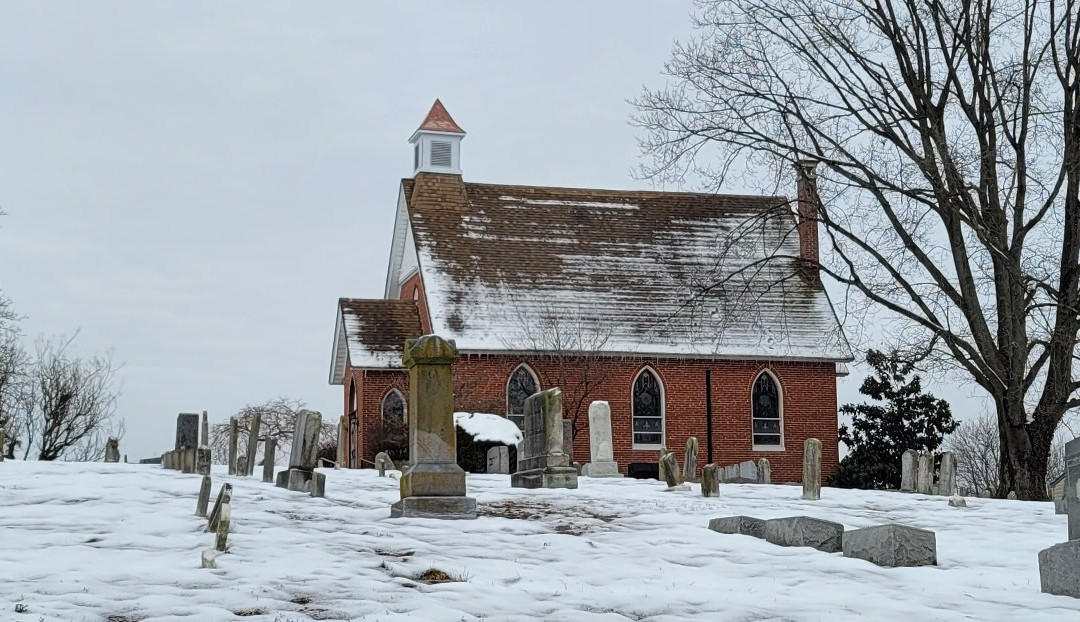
(768,448)
(647,447)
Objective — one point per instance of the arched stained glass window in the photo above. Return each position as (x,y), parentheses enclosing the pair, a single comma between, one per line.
(648,402)
(393,407)
(768,429)
(522,384)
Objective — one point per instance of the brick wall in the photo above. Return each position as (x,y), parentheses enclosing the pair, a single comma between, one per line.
(808,392)
(414,283)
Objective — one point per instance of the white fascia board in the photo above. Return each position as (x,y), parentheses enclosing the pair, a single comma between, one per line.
(340,352)
(397,248)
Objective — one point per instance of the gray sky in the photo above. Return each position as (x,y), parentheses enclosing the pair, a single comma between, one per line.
(193,185)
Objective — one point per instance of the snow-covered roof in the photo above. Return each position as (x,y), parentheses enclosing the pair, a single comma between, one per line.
(372,334)
(499,262)
(487,428)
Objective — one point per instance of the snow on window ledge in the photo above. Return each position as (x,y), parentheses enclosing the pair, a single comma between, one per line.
(771,448)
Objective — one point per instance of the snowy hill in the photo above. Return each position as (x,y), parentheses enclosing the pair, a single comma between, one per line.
(118,542)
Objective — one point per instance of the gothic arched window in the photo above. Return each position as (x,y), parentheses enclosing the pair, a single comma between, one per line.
(522,384)
(393,407)
(768,429)
(648,403)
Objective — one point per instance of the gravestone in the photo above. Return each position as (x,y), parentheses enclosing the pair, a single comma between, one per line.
(908,470)
(710,481)
(204,497)
(112,450)
(924,475)
(204,430)
(669,466)
(241,465)
(269,451)
(820,534)
(892,545)
(568,440)
(601,451)
(1072,487)
(741,525)
(764,471)
(957,502)
(3,445)
(203,458)
(746,472)
(946,485)
(543,461)
(433,486)
(1059,569)
(234,426)
(661,466)
(498,460)
(383,462)
(301,475)
(811,479)
(253,443)
(342,439)
(187,431)
(690,460)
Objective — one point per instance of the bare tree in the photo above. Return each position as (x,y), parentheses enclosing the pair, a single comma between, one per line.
(72,400)
(948,141)
(978,456)
(570,345)
(13,368)
(277,419)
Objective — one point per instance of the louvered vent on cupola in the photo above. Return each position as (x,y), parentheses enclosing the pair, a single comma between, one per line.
(441,153)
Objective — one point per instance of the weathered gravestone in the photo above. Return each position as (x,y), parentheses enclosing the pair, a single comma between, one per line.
(764,471)
(112,450)
(742,525)
(301,475)
(1072,488)
(203,458)
(669,467)
(433,486)
(690,460)
(811,479)
(342,439)
(253,443)
(661,466)
(498,459)
(946,484)
(3,445)
(241,465)
(234,431)
(187,431)
(269,451)
(601,452)
(710,481)
(383,462)
(204,497)
(204,430)
(909,464)
(568,441)
(820,534)
(892,545)
(1059,565)
(746,472)
(924,474)
(543,461)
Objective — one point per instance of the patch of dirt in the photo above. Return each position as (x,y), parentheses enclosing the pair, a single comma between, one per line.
(249,612)
(125,618)
(434,575)
(301,600)
(389,553)
(569,518)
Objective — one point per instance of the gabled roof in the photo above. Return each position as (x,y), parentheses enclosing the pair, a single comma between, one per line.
(372,334)
(439,120)
(499,262)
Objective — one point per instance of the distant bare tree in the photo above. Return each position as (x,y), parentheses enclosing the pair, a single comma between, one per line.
(573,345)
(73,399)
(277,420)
(978,454)
(14,364)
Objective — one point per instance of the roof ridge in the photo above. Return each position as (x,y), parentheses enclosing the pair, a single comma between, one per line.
(778,197)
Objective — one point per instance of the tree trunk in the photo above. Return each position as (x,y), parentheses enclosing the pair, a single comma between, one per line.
(1024,455)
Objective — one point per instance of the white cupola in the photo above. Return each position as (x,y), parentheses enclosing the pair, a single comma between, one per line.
(437,143)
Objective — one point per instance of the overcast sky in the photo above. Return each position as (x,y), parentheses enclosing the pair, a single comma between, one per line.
(193,185)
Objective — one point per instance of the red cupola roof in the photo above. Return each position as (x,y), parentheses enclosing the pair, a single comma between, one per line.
(439,120)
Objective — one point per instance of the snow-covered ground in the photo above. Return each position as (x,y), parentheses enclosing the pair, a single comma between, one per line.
(116,542)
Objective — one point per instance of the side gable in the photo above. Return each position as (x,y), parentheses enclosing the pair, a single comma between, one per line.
(371,334)
(401,235)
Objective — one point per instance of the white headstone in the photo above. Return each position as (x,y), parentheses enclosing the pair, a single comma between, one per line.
(601,453)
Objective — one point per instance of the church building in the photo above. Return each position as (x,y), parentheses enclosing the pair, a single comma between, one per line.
(690,314)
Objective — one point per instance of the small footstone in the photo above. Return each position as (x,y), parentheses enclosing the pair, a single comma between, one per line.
(892,545)
(820,534)
(383,462)
(677,487)
(1059,569)
(957,502)
(209,558)
(743,525)
(1011,496)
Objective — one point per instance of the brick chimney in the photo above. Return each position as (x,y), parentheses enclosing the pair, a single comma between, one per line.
(807,210)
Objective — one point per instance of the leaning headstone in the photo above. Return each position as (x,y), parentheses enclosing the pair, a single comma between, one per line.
(670,468)
(601,452)
(1059,569)
(498,460)
(112,449)
(253,443)
(543,461)
(1072,487)
(924,476)
(203,458)
(661,465)
(301,475)
(764,471)
(187,431)
(908,469)
(234,425)
(269,451)
(204,497)
(742,525)
(820,534)
(710,481)
(690,460)
(811,482)
(215,514)
(946,485)
(892,545)
(383,462)
(433,486)
(224,519)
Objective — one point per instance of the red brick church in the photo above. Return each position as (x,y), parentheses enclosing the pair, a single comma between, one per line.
(691,314)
